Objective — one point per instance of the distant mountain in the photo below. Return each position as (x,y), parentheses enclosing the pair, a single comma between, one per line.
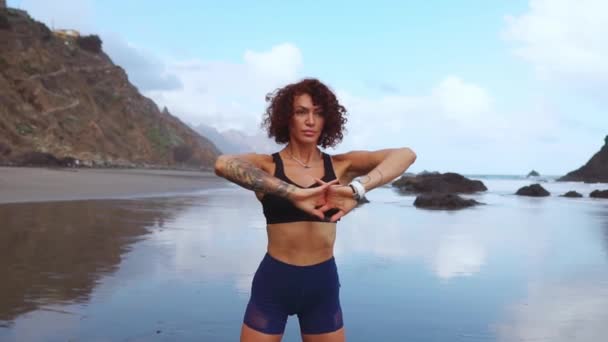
(62,97)
(259,143)
(235,141)
(222,143)
(596,169)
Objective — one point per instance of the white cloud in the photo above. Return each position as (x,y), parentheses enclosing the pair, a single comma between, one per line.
(282,62)
(229,95)
(145,71)
(452,111)
(563,39)
(461,100)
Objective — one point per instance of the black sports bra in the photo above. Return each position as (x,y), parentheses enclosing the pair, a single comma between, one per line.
(281,210)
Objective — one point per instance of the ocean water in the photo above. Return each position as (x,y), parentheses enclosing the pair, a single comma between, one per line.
(179,268)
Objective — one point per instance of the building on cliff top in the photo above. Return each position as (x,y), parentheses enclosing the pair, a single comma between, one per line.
(66,33)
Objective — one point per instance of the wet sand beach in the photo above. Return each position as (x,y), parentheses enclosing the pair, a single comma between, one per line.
(22,184)
(179,267)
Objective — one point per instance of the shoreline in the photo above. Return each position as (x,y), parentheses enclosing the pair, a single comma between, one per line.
(35,184)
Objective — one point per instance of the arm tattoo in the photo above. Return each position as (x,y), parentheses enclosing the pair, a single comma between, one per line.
(367,180)
(253,178)
(381,176)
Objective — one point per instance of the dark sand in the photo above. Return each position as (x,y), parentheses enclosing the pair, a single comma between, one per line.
(21,184)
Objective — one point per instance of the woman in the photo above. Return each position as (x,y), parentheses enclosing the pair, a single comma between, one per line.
(304,192)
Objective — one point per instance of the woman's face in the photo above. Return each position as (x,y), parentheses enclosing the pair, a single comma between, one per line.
(306,124)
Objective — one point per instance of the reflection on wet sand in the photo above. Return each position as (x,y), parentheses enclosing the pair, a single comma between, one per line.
(603,213)
(572,306)
(180,269)
(56,252)
(573,310)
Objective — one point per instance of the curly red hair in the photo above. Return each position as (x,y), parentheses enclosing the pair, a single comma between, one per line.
(280,110)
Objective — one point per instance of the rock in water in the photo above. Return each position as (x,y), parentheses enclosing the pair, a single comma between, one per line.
(443,201)
(441,183)
(599,194)
(572,194)
(534,190)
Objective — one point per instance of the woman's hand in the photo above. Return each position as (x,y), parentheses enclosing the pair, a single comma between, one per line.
(338,197)
(312,200)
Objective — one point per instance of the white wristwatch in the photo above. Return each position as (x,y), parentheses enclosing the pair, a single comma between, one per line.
(358,190)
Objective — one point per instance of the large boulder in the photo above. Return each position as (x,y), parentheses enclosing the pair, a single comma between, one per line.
(443,201)
(595,171)
(440,183)
(534,190)
(599,194)
(571,194)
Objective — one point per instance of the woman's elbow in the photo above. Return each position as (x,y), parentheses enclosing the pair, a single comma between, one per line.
(411,155)
(220,164)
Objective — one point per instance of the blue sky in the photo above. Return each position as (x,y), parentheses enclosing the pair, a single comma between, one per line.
(497,87)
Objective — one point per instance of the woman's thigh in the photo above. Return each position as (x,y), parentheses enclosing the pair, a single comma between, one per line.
(252,335)
(334,336)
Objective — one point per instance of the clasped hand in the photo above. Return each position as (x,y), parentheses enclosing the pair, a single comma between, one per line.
(329,195)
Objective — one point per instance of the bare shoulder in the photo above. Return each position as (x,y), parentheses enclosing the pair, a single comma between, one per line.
(342,158)
(263,161)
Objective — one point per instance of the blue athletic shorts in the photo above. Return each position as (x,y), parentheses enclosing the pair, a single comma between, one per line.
(280,290)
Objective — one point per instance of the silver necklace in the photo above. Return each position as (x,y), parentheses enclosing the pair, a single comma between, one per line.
(306,166)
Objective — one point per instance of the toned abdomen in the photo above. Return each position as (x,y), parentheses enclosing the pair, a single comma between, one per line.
(301,243)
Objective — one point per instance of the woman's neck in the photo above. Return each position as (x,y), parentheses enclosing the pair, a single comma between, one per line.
(304,153)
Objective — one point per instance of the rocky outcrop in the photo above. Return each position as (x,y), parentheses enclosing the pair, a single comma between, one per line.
(599,194)
(595,171)
(533,173)
(534,190)
(443,201)
(571,194)
(46,159)
(438,183)
(62,97)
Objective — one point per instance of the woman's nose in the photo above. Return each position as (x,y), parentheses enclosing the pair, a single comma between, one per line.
(310,119)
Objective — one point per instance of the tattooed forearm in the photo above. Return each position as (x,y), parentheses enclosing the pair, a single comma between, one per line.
(381,176)
(253,178)
(365,179)
(284,189)
(393,165)
(372,179)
